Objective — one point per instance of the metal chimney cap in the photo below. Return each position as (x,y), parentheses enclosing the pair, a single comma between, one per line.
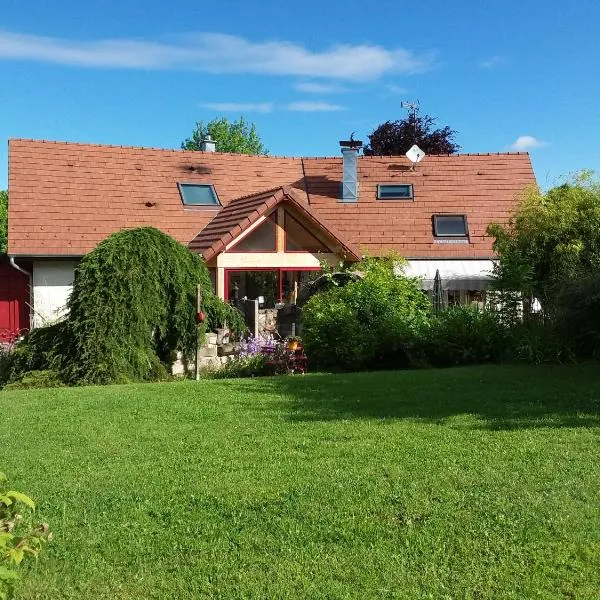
(354,144)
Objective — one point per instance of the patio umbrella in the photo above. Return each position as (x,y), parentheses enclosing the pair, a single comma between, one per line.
(438,293)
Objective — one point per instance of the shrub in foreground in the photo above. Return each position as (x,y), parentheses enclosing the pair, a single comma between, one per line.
(366,322)
(20,537)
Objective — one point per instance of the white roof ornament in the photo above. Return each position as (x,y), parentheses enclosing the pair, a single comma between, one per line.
(415,154)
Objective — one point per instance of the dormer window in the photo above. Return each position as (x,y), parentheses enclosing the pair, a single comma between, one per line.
(395,191)
(450,226)
(198,194)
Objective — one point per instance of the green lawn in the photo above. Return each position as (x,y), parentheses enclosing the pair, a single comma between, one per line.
(462,483)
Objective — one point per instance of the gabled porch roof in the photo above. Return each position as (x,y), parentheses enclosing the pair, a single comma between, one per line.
(242,212)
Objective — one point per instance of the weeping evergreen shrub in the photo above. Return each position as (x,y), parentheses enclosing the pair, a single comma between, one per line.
(133,305)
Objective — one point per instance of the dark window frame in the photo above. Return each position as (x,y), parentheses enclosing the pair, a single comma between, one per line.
(462,236)
(402,198)
(182,184)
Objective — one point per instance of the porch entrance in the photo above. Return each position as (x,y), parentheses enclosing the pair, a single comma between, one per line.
(270,286)
(274,291)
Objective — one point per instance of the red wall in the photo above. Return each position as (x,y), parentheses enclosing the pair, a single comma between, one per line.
(14,300)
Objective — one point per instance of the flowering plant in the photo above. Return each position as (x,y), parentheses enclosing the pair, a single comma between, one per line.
(252,345)
(249,346)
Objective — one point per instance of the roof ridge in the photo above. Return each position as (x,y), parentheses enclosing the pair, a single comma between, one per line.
(456,154)
(153,148)
(266,156)
(267,192)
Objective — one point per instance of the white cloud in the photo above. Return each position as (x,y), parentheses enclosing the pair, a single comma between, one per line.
(492,62)
(396,89)
(314,107)
(241,107)
(267,107)
(526,142)
(218,53)
(315,87)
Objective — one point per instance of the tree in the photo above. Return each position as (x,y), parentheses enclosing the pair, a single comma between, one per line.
(3,221)
(396,137)
(133,305)
(238,136)
(551,243)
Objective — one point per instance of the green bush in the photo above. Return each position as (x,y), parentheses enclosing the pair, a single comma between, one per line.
(5,365)
(35,379)
(537,340)
(461,335)
(133,304)
(253,365)
(365,324)
(578,315)
(40,350)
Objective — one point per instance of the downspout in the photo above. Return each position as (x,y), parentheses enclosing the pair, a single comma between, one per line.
(14,265)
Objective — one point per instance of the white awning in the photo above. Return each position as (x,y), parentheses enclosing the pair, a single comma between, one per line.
(455,274)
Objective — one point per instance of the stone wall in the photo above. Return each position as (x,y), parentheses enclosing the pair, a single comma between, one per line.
(213,354)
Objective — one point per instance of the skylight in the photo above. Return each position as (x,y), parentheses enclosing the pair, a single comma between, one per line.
(450,226)
(394,191)
(198,194)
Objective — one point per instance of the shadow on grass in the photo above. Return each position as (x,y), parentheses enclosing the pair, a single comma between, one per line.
(496,396)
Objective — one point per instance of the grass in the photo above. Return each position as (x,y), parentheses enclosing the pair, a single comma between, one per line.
(462,483)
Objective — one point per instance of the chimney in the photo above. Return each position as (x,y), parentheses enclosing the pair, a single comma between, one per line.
(208,145)
(350,150)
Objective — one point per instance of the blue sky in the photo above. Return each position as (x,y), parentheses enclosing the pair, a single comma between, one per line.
(506,75)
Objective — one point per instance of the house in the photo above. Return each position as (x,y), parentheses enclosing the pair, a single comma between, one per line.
(262,223)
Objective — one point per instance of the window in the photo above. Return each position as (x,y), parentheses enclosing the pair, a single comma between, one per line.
(196,194)
(298,238)
(261,239)
(393,191)
(271,286)
(450,226)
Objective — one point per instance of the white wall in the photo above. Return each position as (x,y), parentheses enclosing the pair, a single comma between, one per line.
(52,284)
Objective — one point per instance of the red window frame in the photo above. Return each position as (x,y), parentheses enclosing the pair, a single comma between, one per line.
(277,270)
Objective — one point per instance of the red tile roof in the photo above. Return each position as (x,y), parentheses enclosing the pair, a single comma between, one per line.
(240,213)
(66,197)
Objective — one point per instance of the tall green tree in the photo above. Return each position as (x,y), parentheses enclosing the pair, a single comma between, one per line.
(3,221)
(551,242)
(235,136)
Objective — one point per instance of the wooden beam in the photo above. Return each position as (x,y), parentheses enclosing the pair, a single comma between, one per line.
(280,229)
